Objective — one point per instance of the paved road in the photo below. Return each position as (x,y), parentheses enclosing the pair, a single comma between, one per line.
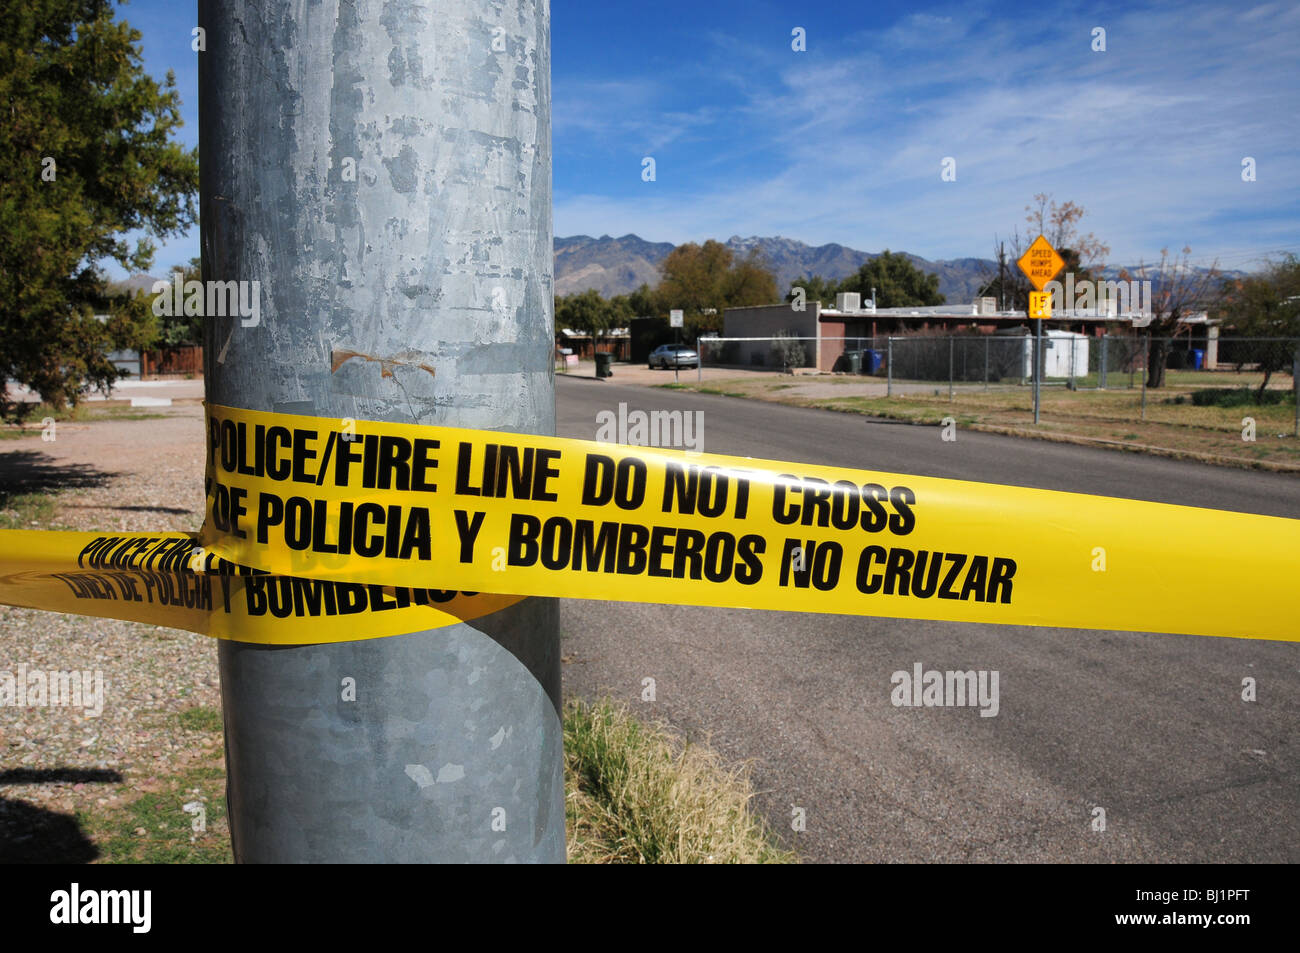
(1151,728)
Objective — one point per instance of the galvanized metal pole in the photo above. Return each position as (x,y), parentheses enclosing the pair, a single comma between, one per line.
(1038,365)
(384,172)
(950,367)
(1146,369)
(889,367)
(1295,386)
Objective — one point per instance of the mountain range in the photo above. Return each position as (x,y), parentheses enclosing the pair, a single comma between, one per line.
(618,265)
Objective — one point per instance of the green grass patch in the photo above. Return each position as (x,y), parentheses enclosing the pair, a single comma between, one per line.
(638,793)
(1240,397)
(21,510)
(156,827)
(702,390)
(200,718)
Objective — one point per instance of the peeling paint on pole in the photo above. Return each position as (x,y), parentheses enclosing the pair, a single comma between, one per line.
(383,169)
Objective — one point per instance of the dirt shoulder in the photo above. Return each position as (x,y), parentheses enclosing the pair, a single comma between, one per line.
(76,786)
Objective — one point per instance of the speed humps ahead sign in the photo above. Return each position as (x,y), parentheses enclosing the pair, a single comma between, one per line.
(1040,263)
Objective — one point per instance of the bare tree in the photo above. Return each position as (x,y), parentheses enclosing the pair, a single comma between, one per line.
(1177,291)
(1059,224)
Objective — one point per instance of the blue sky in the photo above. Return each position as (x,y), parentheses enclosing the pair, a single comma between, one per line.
(844,142)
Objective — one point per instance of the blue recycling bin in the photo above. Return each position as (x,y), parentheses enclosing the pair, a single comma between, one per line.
(871,361)
(1198,358)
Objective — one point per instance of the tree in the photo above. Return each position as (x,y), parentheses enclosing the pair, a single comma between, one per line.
(644,302)
(1266,305)
(1059,224)
(1084,255)
(88,157)
(1177,290)
(584,311)
(897,281)
(789,351)
(621,311)
(182,329)
(749,282)
(703,280)
(815,288)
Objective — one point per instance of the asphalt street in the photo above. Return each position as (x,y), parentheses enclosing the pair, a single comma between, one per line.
(1151,729)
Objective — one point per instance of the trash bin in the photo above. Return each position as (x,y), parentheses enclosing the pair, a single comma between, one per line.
(603,364)
(1198,358)
(855,362)
(872,361)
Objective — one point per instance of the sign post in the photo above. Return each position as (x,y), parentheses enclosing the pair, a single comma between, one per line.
(675,321)
(1040,263)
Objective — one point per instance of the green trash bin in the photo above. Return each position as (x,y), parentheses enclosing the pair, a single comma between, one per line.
(855,362)
(604,364)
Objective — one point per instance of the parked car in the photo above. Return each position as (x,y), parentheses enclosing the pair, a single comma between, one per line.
(674,355)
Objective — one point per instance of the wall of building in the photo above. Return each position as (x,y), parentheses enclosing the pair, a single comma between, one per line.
(768,321)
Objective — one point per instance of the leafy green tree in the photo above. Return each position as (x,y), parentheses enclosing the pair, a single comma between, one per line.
(645,302)
(88,157)
(584,311)
(177,330)
(1266,305)
(703,280)
(693,277)
(897,281)
(621,311)
(815,288)
(749,282)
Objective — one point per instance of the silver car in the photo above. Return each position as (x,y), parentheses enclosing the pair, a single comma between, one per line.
(674,355)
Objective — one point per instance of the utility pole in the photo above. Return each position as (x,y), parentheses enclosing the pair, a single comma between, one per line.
(1002,277)
(386,177)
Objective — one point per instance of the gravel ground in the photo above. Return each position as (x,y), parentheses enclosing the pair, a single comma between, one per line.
(142,474)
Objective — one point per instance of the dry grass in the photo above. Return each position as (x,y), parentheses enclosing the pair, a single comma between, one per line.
(637,793)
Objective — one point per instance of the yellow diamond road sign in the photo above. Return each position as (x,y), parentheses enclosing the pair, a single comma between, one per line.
(1040,263)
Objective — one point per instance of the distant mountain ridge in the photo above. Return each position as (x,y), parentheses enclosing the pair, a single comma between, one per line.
(619,265)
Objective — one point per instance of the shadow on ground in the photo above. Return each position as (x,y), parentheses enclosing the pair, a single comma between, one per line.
(30,471)
(37,835)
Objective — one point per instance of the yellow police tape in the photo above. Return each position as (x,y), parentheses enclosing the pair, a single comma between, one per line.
(167,579)
(321,503)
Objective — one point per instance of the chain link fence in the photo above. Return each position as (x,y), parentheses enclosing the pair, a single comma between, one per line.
(997,369)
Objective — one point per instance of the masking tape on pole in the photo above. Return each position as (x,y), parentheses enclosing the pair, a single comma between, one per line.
(315,500)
